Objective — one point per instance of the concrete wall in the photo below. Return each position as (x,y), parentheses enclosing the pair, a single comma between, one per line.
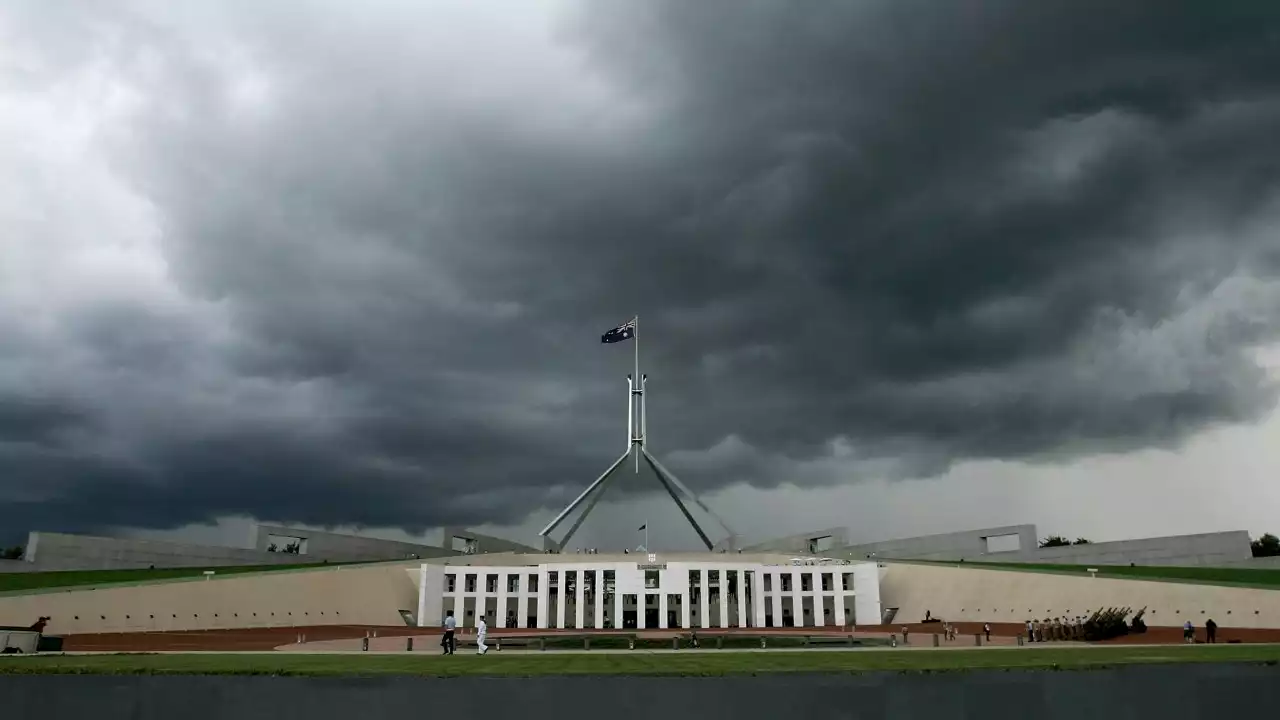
(991,595)
(59,551)
(365,595)
(1206,549)
(799,543)
(336,547)
(947,546)
(484,543)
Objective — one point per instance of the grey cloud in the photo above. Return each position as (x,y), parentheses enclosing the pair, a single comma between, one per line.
(901,224)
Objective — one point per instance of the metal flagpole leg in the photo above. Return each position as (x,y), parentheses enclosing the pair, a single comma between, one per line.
(661,470)
(578,501)
(590,506)
(676,497)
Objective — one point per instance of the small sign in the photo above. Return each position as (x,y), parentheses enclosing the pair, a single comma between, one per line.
(653,557)
(651,566)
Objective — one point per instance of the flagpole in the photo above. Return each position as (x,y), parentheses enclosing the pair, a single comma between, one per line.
(646,536)
(636,338)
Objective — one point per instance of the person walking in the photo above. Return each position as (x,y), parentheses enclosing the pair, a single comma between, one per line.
(446,639)
(1211,631)
(481,631)
(986,628)
(1188,632)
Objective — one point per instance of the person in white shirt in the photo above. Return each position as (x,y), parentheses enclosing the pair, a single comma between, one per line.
(481,631)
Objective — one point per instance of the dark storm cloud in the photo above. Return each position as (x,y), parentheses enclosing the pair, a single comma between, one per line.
(936,230)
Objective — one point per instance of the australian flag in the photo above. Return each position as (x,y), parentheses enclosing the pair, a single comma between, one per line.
(625,331)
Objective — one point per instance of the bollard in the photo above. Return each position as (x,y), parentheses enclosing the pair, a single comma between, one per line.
(935,639)
(851,643)
(977,639)
(364,645)
(586,643)
(375,633)
(719,642)
(299,640)
(893,641)
(631,643)
(675,643)
(762,642)
(542,643)
(408,644)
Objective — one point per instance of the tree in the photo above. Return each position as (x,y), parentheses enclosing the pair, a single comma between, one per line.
(1054,541)
(13,553)
(1266,546)
(1081,541)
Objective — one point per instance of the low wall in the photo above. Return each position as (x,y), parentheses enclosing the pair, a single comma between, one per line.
(1201,550)
(975,594)
(48,551)
(337,547)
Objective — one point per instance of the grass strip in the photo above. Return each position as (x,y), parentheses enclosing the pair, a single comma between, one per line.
(690,664)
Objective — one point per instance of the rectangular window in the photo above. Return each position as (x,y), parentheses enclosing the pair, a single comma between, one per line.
(786,583)
(470,583)
(768,582)
(491,583)
(651,579)
(513,583)
(451,583)
(533,583)
(806,583)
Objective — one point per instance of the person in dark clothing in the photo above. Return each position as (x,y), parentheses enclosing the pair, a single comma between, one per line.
(1211,631)
(447,640)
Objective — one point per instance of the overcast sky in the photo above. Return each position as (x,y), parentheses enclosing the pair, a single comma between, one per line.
(909,266)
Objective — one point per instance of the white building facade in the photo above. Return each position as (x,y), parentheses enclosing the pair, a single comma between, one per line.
(601,593)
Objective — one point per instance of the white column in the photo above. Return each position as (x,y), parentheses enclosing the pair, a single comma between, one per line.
(757,596)
(776,597)
(662,609)
(704,600)
(839,600)
(819,616)
(482,597)
(561,585)
(686,611)
(742,598)
(599,600)
(724,597)
(797,607)
(544,595)
(617,601)
(500,617)
(522,597)
(642,604)
(581,609)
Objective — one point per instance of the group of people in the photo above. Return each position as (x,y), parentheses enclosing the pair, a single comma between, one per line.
(449,640)
(1059,628)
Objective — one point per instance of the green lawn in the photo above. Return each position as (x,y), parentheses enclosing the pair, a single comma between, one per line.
(636,663)
(1252,577)
(10,582)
